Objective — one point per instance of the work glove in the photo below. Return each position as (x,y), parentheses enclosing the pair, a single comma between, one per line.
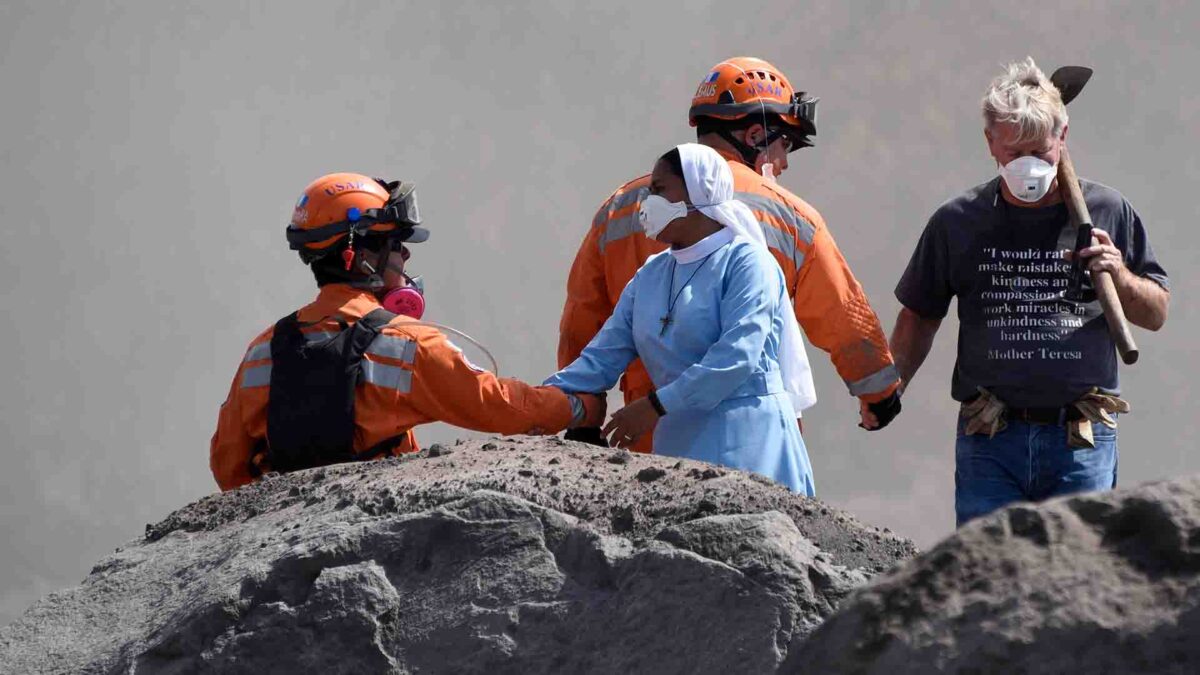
(1094,407)
(886,410)
(589,435)
(984,415)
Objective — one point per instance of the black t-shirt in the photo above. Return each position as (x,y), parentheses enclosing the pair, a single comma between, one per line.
(1019,335)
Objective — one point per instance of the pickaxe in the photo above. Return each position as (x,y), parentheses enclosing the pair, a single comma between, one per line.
(1070,81)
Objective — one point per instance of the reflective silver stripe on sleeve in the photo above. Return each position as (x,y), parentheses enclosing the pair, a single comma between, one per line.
(258,352)
(875,382)
(627,198)
(600,217)
(383,375)
(628,224)
(258,376)
(783,212)
(783,242)
(619,229)
(393,347)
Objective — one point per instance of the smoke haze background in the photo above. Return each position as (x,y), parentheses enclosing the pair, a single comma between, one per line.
(152,152)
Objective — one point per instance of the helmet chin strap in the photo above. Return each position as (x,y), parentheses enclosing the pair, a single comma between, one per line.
(749,153)
(375,280)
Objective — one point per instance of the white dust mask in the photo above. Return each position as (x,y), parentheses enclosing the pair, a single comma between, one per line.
(1029,177)
(656,213)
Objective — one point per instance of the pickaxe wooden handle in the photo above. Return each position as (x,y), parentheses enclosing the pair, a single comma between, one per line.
(1106,291)
(1070,81)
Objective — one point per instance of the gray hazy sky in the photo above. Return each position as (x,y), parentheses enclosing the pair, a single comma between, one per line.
(151,154)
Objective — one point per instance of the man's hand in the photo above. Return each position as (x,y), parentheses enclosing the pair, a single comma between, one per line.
(1144,301)
(629,423)
(875,416)
(1104,256)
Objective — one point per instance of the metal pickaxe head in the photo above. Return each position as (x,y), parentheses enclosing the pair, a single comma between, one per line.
(1070,81)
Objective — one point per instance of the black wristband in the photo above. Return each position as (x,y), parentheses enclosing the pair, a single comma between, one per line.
(658,406)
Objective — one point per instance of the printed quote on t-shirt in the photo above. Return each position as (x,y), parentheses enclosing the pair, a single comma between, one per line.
(1026,311)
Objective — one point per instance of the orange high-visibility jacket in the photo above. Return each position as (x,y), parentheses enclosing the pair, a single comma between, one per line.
(411,375)
(829,302)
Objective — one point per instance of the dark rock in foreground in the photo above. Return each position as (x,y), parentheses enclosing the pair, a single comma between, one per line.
(1098,583)
(519,555)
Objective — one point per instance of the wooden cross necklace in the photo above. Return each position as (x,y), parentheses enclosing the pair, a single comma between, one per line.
(666,319)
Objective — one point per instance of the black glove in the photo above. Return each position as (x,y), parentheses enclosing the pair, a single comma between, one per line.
(886,410)
(589,435)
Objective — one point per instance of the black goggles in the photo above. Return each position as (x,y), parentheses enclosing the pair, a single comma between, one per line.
(401,207)
(803,109)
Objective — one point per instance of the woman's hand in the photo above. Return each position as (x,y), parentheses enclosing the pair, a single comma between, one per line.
(866,419)
(629,423)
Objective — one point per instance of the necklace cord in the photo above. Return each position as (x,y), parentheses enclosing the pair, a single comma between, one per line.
(666,320)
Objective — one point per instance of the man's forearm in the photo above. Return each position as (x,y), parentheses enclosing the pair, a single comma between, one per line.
(911,341)
(1144,301)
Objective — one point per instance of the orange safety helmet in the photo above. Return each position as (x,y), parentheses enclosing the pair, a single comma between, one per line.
(743,86)
(341,205)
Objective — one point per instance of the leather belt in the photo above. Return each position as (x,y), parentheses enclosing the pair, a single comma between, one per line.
(1059,416)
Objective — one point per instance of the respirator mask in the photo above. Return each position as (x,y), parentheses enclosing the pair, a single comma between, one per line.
(1028,178)
(407,300)
(656,213)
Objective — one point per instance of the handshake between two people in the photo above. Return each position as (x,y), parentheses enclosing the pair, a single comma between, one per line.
(631,423)
(624,429)
(877,415)
(588,412)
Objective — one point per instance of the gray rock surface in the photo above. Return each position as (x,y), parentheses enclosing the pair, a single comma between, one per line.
(1097,583)
(516,555)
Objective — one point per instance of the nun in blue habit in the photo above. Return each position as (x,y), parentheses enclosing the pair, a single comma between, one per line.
(711,320)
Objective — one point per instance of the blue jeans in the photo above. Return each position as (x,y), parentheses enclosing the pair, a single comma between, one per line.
(1028,462)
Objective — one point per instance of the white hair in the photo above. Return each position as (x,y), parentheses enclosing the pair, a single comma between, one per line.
(1024,96)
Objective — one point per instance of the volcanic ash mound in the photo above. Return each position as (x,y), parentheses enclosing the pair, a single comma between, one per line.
(516,555)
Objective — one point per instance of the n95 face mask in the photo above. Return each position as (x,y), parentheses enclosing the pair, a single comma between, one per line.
(1028,178)
(656,213)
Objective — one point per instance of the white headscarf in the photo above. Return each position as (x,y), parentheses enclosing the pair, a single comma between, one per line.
(710,188)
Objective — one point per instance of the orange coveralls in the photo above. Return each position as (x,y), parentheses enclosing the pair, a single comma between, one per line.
(411,375)
(829,302)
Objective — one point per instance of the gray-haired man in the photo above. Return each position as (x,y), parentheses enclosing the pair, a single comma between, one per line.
(1036,370)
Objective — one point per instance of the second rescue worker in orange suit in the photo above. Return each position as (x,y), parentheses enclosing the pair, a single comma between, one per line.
(746,110)
(352,380)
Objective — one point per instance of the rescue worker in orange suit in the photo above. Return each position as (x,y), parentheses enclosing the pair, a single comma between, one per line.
(746,110)
(347,377)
